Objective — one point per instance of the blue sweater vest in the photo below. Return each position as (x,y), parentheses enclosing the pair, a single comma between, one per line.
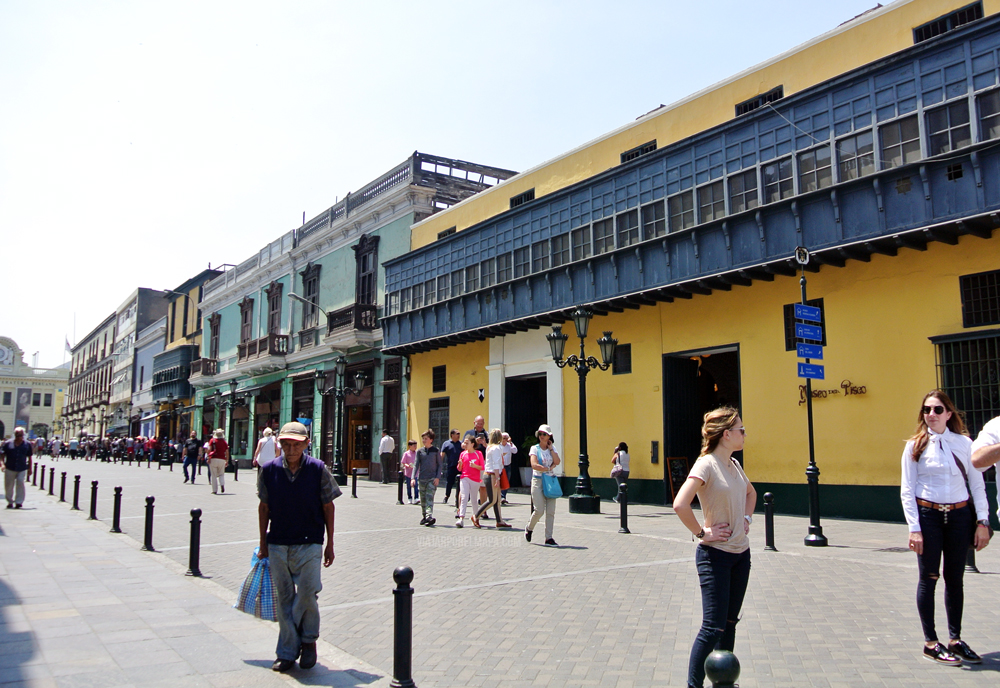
(296,508)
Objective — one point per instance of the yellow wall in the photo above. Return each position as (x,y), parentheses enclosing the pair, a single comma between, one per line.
(865,40)
(879,316)
(193,325)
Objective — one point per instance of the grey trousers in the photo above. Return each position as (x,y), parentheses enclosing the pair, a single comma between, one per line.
(13,481)
(295,571)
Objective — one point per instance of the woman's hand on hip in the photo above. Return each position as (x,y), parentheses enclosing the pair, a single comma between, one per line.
(720,532)
(917,541)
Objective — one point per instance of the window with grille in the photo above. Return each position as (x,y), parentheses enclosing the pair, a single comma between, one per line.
(487,272)
(777,180)
(760,101)
(444,287)
(604,236)
(581,243)
(948,128)
(654,223)
(789,309)
(900,142)
(439,378)
(989,116)
(815,170)
(980,298)
(522,261)
(948,22)
(540,255)
(621,363)
(429,292)
(681,209)
(447,232)
(743,191)
(504,267)
(711,202)
(627,227)
(437,419)
(638,151)
(856,156)
(522,198)
(968,368)
(457,282)
(560,250)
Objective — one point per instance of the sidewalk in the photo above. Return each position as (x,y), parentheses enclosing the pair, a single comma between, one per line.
(82,607)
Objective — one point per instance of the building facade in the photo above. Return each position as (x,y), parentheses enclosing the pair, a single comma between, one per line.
(143,416)
(142,308)
(874,146)
(90,378)
(276,324)
(30,398)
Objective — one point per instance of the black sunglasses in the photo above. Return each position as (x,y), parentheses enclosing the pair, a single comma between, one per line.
(936,409)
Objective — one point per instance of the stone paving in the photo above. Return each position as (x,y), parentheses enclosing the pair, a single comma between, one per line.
(604,609)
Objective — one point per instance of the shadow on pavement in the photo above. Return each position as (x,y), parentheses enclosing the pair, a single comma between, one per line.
(991,662)
(18,646)
(319,675)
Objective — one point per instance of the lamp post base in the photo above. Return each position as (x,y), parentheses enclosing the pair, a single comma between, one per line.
(584,504)
(815,538)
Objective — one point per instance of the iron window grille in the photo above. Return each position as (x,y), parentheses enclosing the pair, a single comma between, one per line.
(948,22)
(900,142)
(948,128)
(681,211)
(439,378)
(447,232)
(438,419)
(776,93)
(980,298)
(743,191)
(638,151)
(789,311)
(621,364)
(522,198)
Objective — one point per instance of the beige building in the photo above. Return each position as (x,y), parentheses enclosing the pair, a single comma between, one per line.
(29,397)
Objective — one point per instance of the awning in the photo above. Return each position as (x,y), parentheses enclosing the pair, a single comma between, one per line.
(149,417)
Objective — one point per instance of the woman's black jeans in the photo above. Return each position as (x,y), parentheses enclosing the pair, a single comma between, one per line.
(949,537)
(724,577)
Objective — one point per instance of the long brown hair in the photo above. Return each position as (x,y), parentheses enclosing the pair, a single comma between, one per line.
(921,435)
(716,423)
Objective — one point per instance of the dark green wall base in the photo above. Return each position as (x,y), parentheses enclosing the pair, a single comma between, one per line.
(863,502)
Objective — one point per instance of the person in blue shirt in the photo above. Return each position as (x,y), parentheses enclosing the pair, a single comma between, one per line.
(16,466)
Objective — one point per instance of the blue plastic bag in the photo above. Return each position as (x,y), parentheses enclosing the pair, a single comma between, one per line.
(550,486)
(257,595)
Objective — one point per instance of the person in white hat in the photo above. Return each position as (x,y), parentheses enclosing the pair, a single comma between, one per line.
(218,457)
(544,459)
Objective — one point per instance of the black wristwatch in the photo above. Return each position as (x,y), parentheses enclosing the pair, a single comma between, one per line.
(985,524)
(700,534)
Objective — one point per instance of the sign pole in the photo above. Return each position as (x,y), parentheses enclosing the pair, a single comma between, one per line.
(815,538)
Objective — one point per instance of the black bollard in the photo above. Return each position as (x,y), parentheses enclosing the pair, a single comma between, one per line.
(399,488)
(769,523)
(236,470)
(34,475)
(148,541)
(116,522)
(194,554)
(52,481)
(159,464)
(41,485)
(199,466)
(62,488)
(76,493)
(623,507)
(402,660)
(93,501)
(149,459)
(354,483)
(722,669)
(970,561)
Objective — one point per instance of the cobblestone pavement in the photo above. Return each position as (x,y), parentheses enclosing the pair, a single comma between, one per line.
(603,609)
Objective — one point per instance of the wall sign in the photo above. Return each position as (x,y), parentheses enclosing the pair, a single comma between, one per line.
(847,389)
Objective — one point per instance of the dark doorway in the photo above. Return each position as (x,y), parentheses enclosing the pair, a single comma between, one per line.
(525,408)
(694,383)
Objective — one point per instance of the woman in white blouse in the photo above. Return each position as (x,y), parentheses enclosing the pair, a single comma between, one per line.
(935,488)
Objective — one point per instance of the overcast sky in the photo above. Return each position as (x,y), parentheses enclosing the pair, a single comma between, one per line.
(141,141)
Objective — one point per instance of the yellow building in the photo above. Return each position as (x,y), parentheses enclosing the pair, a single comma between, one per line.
(874,146)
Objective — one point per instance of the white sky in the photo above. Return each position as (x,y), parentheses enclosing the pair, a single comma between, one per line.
(140,141)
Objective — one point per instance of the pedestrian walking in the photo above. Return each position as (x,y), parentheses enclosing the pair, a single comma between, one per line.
(386,453)
(451,451)
(470,465)
(723,553)
(407,462)
(544,458)
(267,448)
(619,466)
(943,498)
(509,449)
(296,493)
(986,448)
(494,467)
(192,448)
(16,466)
(427,470)
(218,457)
(481,438)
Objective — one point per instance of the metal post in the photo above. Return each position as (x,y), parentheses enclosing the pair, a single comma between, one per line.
(815,538)
(34,475)
(722,669)
(338,411)
(52,481)
(399,488)
(171,464)
(116,522)
(62,488)
(41,486)
(584,501)
(354,483)
(149,457)
(194,554)
(402,660)
(970,561)
(76,493)
(769,523)
(93,501)
(236,470)
(623,507)
(148,541)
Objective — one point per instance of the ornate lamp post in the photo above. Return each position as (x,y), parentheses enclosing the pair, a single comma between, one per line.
(340,394)
(584,501)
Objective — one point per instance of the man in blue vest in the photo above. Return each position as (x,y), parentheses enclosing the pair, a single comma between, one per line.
(296,494)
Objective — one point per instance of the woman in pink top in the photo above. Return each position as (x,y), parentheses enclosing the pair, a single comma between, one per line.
(408,461)
(470,465)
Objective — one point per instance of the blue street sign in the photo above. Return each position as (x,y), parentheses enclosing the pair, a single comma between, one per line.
(810,313)
(808,332)
(814,372)
(809,351)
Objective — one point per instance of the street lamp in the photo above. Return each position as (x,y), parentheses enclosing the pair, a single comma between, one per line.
(340,393)
(584,501)
(306,302)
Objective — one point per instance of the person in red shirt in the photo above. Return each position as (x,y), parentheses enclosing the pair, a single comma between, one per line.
(218,457)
